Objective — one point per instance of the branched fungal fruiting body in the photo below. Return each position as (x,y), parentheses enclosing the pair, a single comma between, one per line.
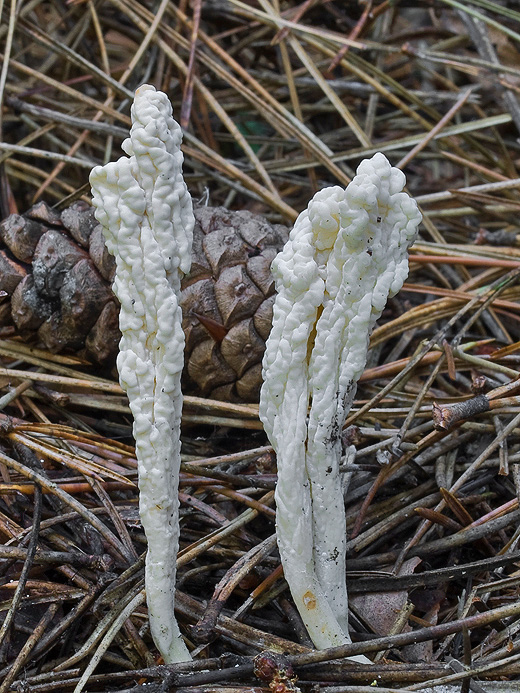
(346,254)
(146,212)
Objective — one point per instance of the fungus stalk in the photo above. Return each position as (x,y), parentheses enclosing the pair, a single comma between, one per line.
(346,255)
(146,211)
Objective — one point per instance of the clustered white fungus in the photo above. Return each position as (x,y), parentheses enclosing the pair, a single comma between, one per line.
(346,254)
(146,212)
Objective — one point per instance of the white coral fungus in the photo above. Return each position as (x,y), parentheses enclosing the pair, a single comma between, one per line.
(146,212)
(346,254)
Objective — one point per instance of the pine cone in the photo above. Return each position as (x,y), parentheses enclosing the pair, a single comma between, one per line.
(57,275)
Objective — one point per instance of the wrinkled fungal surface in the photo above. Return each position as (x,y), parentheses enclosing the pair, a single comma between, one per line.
(346,255)
(146,212)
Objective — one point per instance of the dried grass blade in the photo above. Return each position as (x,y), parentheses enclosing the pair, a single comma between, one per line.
(260,98)
(61,49)
(30,644)
(187,96)
(279,23)
(124,6)
(201,546)
(135,597)
(329,93)
(112,631)
(22,580)
(321,82)
(69,500)
(502,28)
(103,385)
(210,158)
(74,95)
(436,128)
(85,466)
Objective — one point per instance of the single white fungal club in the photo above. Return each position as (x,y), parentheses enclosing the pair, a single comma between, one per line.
(146,212)
(346,255)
